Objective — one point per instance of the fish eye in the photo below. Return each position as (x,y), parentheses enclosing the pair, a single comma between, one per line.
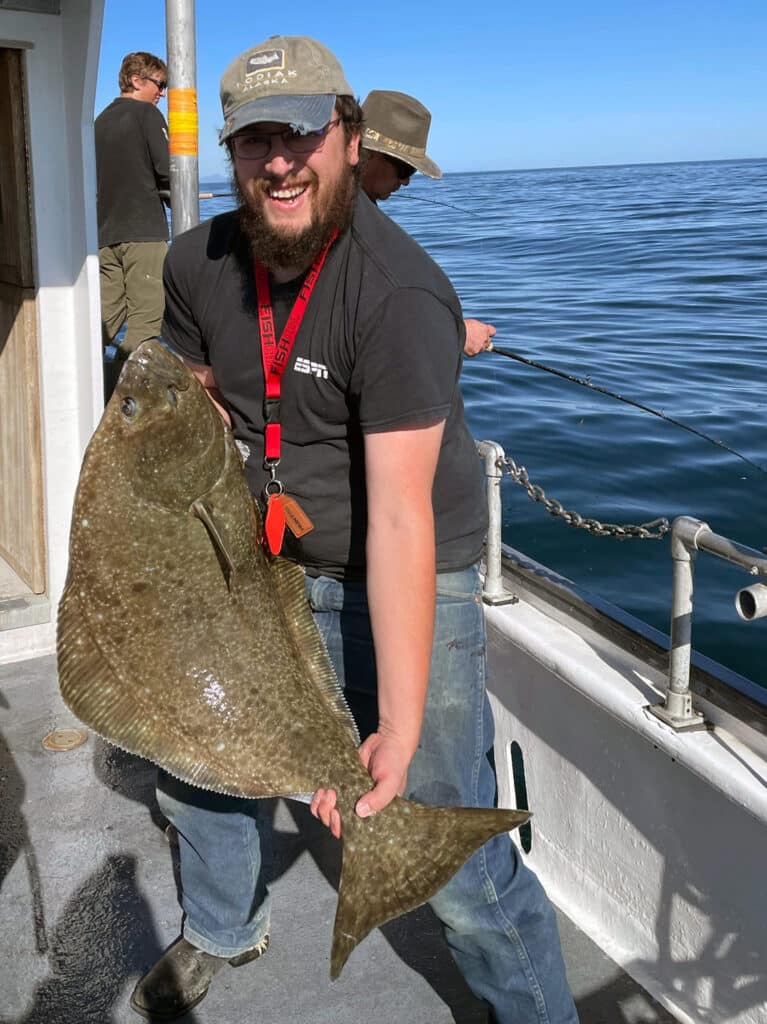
(172,395)
(128,407)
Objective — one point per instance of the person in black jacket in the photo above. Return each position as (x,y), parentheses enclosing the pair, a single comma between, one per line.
(132,166)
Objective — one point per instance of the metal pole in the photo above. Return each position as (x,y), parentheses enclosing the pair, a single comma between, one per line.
(677,709)
(493,591)
(182,115)
(679,700)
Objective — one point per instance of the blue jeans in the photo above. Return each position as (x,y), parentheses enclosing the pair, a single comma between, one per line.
(498,921)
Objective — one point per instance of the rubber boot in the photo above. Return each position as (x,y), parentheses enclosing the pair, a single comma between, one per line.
(181,978)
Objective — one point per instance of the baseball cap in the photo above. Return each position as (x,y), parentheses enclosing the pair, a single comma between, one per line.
(286,79)
(397,125)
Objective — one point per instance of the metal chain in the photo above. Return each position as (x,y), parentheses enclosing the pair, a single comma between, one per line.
(555,508)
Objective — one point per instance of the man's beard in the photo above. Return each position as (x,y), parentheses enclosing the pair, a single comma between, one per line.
(277,250)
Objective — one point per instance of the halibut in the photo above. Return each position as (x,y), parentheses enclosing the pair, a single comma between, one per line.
(182,641)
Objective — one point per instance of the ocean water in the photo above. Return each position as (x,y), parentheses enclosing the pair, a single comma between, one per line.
(651,281)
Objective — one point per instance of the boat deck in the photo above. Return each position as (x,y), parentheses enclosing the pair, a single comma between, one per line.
(88,901)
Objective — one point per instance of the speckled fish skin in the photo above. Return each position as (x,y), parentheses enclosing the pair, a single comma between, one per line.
(182,641)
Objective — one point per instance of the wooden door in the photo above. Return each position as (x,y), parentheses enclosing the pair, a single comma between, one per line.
(22,538)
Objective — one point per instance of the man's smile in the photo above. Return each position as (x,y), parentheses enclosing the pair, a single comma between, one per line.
(286,195)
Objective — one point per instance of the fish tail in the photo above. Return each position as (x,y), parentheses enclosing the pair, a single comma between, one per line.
(399,858)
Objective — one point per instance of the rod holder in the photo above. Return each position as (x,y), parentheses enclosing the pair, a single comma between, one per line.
(751,602)
(688,537)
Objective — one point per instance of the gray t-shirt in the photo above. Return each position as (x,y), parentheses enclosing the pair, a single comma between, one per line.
(379,348)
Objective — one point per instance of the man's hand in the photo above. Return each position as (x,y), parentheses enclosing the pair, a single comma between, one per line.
(478,337)
(387,761)
(204,375)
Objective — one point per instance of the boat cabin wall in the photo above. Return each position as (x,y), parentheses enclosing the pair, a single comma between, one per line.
(58,58)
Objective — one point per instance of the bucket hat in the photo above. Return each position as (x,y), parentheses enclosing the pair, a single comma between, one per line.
(286,79)
(397,125)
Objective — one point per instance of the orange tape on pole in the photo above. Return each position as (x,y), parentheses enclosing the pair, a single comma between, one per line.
(182,121)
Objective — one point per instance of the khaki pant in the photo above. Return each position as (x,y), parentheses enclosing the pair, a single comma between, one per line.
(130,275)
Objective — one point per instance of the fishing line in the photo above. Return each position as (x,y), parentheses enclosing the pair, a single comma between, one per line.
(586,383)
(164,193)
(434,202)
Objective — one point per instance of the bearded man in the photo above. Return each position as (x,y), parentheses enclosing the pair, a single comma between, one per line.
(353,415)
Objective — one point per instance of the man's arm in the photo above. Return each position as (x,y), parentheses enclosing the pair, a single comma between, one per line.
(401,582)
(157,143)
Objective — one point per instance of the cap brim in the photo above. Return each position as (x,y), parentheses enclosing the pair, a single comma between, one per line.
(303,113)
(424,164)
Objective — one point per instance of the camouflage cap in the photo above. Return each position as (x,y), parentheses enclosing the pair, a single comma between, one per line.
(397,125)
(286,79)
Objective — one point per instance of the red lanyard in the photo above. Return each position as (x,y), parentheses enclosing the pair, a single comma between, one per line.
(274,358)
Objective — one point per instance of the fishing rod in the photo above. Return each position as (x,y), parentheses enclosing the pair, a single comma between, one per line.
(164,193)
(587,383)
(434,202)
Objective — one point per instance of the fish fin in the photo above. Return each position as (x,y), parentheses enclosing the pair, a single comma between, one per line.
(96,693)
(81,665)
(89,686)
(232,540)
(399,858)
(291,583)
(205,514)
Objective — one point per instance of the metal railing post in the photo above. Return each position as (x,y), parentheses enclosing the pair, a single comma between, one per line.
(677,709)
(493,591)
(688,536)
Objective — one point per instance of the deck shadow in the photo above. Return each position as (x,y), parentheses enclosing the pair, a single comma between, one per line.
(104,934)
(15,840)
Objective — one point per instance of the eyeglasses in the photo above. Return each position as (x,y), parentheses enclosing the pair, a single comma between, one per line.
(250,145)
(404,171)
(162,85)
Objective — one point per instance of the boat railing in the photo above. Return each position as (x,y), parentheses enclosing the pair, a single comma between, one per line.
(493,591)
(688,537)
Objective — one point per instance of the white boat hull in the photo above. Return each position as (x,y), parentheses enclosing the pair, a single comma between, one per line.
(651,841)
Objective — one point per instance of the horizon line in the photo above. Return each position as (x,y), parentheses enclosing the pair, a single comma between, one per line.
(218,176)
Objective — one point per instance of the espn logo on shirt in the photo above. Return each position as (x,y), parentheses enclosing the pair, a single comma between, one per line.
(308,366)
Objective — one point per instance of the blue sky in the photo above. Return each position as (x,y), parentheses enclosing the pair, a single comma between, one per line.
(509,84)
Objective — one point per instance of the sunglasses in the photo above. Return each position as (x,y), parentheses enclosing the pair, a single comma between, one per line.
(404,171)
(250,145)
(161,84)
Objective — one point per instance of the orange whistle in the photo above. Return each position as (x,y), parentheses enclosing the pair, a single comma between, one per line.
(274,524)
